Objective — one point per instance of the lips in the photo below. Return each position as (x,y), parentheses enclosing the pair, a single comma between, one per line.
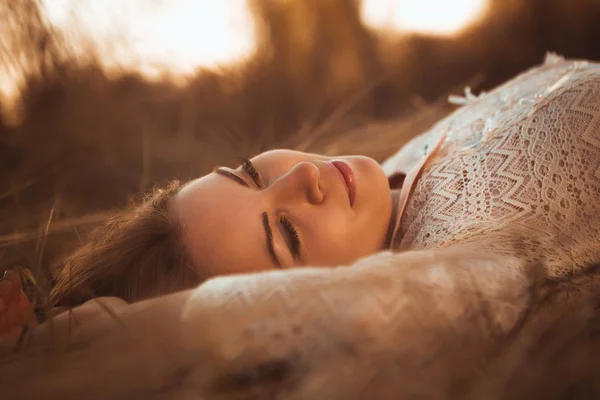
(348,179)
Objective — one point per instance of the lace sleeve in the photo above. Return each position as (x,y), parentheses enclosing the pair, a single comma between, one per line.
(321,333)
(309,333)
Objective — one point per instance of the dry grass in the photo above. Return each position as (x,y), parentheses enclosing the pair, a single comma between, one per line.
(88,143)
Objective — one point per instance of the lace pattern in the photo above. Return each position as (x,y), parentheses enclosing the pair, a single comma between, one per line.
(519,171)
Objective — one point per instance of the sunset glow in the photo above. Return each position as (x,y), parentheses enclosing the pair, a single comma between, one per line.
(437,17)
(181,35)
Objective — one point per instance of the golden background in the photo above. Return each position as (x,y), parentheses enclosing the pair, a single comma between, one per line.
(81,135)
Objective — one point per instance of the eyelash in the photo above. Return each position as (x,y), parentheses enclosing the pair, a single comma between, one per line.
(251,170)
(292,232)
(293,235)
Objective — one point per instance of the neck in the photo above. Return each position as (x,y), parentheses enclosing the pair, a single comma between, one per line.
(392,225)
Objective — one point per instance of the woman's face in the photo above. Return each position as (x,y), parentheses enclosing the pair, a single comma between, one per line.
(293,209)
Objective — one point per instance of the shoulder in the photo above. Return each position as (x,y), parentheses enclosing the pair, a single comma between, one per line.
(412,153)
(558,83)
(569,110)
(579,86)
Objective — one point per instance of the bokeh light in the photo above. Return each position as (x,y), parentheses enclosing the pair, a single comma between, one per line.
(179,34)
(436,17)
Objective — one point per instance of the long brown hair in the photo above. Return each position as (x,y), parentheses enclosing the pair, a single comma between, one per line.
(136,255)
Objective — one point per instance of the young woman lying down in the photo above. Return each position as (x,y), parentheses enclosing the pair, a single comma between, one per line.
(505,187)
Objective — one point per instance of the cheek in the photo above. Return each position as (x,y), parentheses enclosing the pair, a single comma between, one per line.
(333,239)
(332,233)
(336,250)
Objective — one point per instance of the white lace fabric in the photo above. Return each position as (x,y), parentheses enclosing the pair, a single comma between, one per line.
(517,169)
(529,185)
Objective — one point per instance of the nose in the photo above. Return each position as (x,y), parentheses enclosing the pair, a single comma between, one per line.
(300,184)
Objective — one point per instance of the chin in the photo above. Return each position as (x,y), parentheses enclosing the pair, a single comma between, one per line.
(372,187)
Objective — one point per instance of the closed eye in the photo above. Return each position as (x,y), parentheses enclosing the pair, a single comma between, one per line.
(252,172)
(292,236)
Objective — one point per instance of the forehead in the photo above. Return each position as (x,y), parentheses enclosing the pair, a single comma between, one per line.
(222,225)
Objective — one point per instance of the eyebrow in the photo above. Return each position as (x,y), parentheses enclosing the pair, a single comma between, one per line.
(228,174)
(265,216)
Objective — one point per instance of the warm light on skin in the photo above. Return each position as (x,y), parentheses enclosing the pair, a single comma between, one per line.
(437,17)
(180,35)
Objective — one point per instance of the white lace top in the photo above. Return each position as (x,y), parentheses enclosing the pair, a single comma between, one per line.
(517,169)
(514,171)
